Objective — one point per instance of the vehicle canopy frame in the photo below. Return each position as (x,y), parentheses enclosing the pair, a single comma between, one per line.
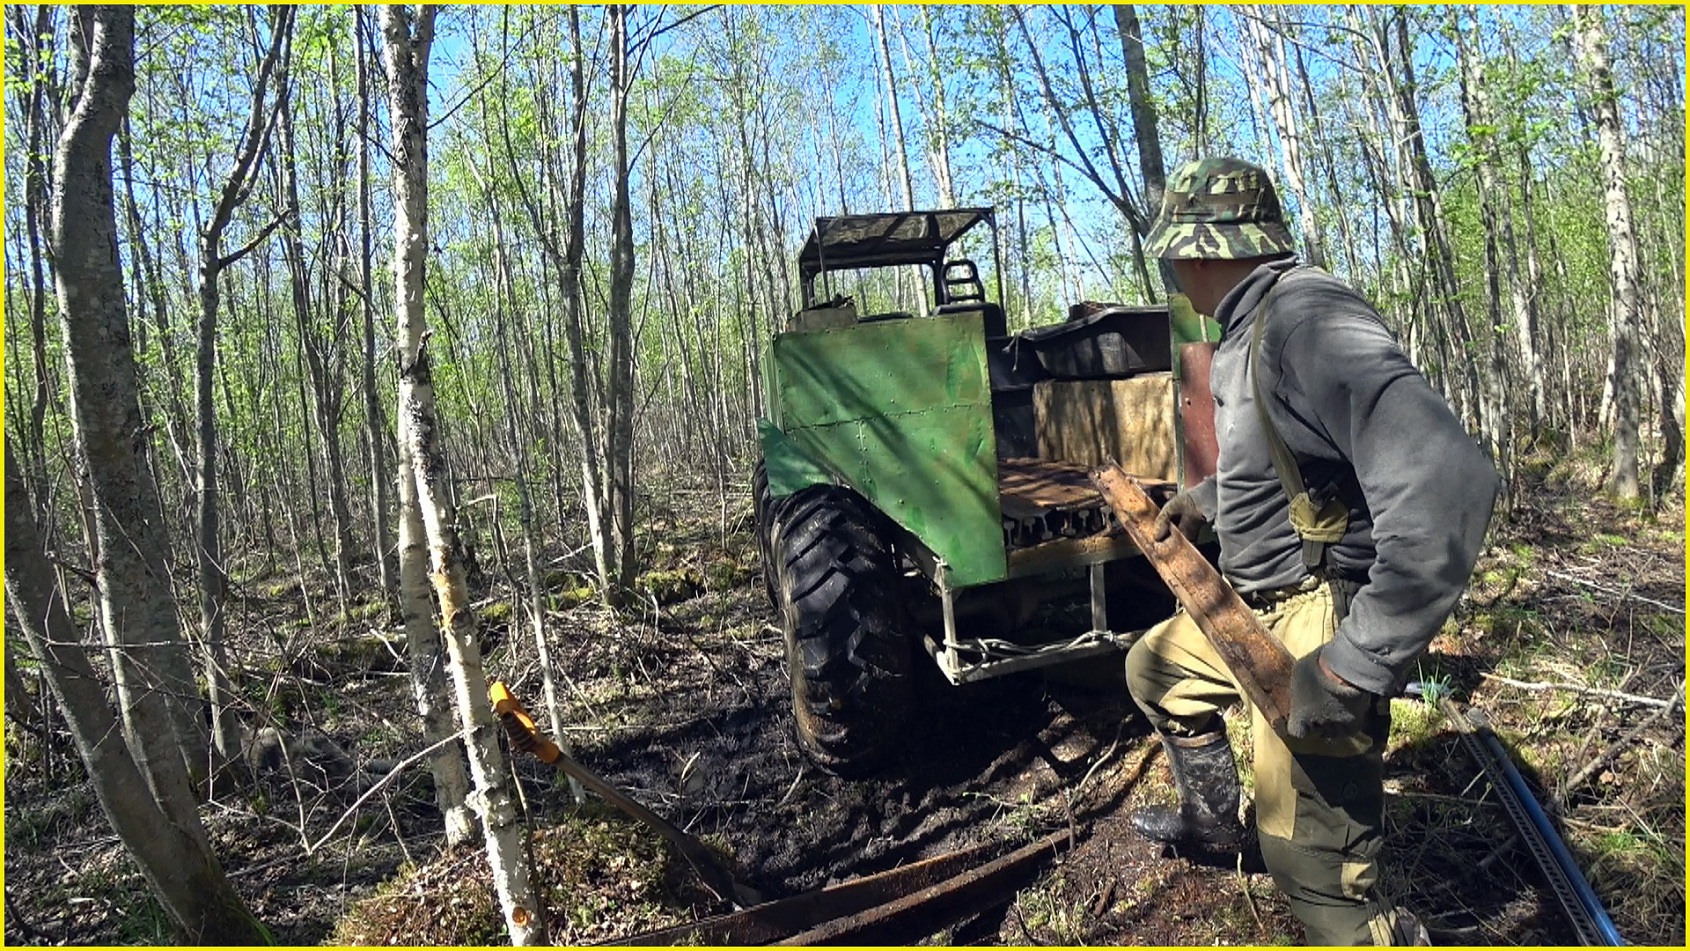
(891,239)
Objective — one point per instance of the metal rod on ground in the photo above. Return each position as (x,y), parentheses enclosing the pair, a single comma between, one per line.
(762,924)
(920,914)
(1559,868)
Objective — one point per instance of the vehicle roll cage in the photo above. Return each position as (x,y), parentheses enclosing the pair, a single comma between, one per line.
(852,242)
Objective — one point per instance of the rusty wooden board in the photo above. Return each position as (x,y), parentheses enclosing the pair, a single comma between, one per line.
(1260,664)
(1031,487)
(771,921)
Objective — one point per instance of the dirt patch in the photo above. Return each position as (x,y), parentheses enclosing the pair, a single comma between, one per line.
(685,706)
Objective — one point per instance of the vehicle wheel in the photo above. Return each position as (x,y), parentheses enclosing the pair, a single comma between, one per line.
(767,511)
(848,649)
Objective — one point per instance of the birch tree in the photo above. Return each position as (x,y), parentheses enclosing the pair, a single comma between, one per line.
(213,576)
(407,54)
(424,649)
(1627,314)
(1270,51)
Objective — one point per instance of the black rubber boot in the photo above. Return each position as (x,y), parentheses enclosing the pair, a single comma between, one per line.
(1207,815)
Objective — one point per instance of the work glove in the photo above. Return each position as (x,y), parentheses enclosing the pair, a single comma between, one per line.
(1181,512)
(1322,706)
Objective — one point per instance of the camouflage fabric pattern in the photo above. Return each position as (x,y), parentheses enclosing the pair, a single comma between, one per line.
(1219,208)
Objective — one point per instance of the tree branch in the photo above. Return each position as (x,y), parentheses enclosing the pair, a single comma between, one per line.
(392,774)
(1669,703)
(234,256)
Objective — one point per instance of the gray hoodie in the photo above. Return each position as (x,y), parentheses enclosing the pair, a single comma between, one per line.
(1360,418)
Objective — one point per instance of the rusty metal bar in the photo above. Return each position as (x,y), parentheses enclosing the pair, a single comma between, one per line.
(774,920)
(921,913)
(1260,664)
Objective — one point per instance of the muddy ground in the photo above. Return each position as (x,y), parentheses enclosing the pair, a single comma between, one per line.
(685,706)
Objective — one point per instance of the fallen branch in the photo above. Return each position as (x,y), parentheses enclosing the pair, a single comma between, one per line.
(1612,752)
(1620,593)
(1673,703)
(382,784)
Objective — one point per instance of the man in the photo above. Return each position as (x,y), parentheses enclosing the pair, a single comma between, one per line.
(1395,502)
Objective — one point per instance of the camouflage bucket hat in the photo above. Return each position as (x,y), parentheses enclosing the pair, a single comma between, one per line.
(1219,208)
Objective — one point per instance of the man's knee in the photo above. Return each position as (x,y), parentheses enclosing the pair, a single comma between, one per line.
(1148,680)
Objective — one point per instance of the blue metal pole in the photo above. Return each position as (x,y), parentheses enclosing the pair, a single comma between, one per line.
(1587,895)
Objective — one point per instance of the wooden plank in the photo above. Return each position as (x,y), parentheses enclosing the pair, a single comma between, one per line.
(1260,664)
(1130,421)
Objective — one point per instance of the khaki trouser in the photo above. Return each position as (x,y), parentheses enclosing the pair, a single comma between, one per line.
(1319,803)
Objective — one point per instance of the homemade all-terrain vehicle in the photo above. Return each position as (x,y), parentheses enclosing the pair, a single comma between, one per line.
(924,482)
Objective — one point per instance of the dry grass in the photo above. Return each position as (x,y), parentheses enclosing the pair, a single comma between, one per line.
(1581,601)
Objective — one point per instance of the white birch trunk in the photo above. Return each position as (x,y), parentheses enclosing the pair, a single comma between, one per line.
(1270,50)
(1622,237)
(494,799)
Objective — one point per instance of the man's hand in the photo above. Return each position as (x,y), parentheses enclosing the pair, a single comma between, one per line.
(1323,705)
(1181,512)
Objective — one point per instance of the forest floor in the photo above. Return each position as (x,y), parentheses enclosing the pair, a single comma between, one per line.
(1576,618)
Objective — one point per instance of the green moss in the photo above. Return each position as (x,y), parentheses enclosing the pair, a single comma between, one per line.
(1413,722)
(603,874)
(726,575)
(363,652)
(670,587)
(287,587)
(570,597)
(497,613)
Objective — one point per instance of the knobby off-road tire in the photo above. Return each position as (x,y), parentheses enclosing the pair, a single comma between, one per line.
(848,645)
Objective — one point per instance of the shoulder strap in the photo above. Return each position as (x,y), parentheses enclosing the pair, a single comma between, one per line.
(1317,525)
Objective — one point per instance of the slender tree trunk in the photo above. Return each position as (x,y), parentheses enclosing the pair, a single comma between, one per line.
(1145,122)
(1622,245)
(424,648)
(33,43)
(375,419)
(1498,252)
(504,306)
(1325,144)
(619,394)
(323,407)
(170,846)
(1270,52)
(1021,253)
(213,574)
(890,78)
(495,801)
(939,130)
(156,692)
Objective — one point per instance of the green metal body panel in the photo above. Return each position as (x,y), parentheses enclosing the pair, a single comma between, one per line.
(900,411)
(788,466)
(1188,325)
